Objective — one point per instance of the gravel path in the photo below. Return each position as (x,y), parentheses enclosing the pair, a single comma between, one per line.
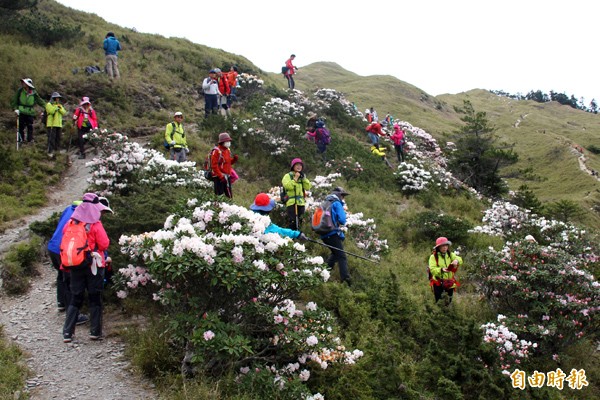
(82,369)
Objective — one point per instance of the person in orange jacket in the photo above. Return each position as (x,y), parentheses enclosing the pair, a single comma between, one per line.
(232,76)
(224,90)
(221,162)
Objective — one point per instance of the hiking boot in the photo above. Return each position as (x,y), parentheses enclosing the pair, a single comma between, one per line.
(96,337)
(82,319)
(67,338)
(61,307)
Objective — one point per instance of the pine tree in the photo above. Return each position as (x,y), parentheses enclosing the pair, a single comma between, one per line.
(478,160)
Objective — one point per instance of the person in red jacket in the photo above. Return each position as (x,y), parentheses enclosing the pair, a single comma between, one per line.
(374,131)
(88,276)
(221,162)
(291,70)
(224,90)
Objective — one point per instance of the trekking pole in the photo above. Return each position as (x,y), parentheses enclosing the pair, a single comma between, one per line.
(336,248)
(18,134)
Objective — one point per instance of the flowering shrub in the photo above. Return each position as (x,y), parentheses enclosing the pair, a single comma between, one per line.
(250,85)
(412,177)
(546,294)
(122,162)
(226,287)
(119,159)
(510,349)
(347,167)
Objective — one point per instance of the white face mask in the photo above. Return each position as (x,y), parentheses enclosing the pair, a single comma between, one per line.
(227,144)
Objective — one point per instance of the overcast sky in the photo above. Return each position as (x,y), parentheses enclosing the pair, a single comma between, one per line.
(440,46)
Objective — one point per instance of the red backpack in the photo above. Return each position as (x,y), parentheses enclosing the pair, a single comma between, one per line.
(74,248)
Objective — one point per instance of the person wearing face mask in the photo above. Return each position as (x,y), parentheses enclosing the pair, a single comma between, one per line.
(221,163)
(54,122)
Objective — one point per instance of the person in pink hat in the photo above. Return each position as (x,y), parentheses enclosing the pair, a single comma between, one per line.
(88,276)
(85,119)
(221,162)
(442,266)
(295,184)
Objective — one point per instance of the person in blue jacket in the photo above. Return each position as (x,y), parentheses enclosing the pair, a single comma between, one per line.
(63,292)
(335,239)
(263,205)
(111,48)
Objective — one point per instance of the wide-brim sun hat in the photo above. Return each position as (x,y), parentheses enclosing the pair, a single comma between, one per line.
(441,241)
(340,191)
(90,209)
(262,202)
(85,100)
(296,161)
(178,114)
(104,201)
(55,95)
(28,82)
(224,137)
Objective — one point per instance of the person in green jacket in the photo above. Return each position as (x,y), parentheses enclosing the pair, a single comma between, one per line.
(175,137)
(442,266)
(23,102)
(54,122)
(295,184)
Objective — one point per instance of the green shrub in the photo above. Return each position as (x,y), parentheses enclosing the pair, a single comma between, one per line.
(13,370)
(431,224)
(14,281)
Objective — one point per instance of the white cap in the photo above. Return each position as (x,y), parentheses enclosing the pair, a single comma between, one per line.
(178,114)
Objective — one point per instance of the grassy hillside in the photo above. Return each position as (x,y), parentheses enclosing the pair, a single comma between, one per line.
(414,350)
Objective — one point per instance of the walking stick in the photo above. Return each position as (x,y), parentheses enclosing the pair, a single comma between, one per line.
(347,252)
(18,134)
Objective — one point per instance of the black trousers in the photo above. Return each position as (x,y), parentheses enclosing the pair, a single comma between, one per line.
(26,122)
(337,255)
(83,280)
(438,290)
(291,212)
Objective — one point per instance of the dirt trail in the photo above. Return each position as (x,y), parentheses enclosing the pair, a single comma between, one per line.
(80,370)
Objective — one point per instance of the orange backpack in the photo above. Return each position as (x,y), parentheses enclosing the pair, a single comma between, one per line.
(74,248)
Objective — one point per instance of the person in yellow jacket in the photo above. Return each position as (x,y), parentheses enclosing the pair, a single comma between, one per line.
(175,138)
(54,122)
(295,184)
(380,152)
(442,266)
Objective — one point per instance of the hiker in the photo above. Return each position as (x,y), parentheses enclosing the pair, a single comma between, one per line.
(374,131)
(398,139)
(232,80)
(111,48)
(291,70)
(85,119)
(380,152)
(322,138)
(335,238)
(263,205)
(88,276)
(311,126)
(221,163)
(442,266)
(374,117)
(175,137)
(295,184)
(368,116)
(210,87)
(63,291)
(224,91)
(23,101)
(54,122)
